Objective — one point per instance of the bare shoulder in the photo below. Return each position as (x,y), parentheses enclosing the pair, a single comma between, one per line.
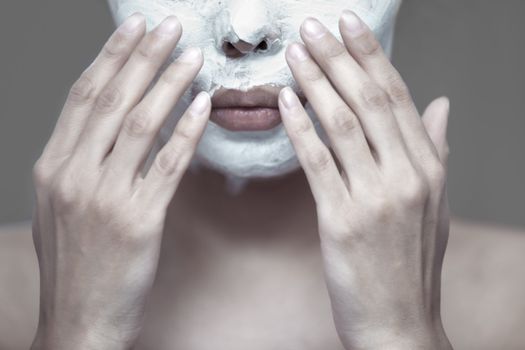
(19,286)
(484,286)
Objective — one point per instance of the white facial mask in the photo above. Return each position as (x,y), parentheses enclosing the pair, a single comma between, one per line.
(208,23)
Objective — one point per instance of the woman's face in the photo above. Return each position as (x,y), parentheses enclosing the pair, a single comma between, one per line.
(244,42)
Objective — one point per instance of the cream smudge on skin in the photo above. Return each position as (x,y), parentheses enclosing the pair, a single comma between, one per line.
(208,23)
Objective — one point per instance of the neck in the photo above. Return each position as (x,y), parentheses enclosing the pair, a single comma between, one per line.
(238,246)
(267,212)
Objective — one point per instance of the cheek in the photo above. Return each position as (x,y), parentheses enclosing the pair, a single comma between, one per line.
(196,24)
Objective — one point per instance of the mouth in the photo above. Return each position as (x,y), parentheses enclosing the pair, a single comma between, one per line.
(254,110)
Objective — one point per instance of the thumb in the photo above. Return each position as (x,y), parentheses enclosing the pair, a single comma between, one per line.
(435,120)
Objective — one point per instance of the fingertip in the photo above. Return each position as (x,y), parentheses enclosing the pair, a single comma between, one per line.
(132,24)
(200,104)
(444,112)
(438,107)
(169,27)
(352,24)
(288,99)
(191,55)
(444,103)
(296,52)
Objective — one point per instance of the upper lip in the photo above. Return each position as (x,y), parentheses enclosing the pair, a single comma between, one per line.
(262,97)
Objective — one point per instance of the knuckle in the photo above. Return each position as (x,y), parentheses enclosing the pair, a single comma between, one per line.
(115,46)
(40,173)
(370,46)
(383,207)
(302,127)
(110,51)
(108,100)
(414,192)
(172,75)
(312,73)
(319,160)
(183,133)
(83,90)
(149,49)
(138,123)
(334,51)
(145,52)
(373,97)
(343,121)
(398,91)
(167,160)
(64,196)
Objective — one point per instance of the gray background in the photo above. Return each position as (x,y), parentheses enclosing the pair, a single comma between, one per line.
(469,50)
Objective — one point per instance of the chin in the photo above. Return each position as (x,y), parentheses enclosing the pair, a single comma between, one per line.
(243,156)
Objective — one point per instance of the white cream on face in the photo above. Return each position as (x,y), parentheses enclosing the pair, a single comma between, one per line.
(208,23)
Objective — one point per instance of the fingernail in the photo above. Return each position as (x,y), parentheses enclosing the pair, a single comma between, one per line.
(191,55)
(169,26)
(298,52)
(446,104)
(289,98)
(313,28)
(200,103)
(132,23)
(352,23)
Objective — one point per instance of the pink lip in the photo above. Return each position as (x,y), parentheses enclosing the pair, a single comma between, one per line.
(253,110)
(246,118)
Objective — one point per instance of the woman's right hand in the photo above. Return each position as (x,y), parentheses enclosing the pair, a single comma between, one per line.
(98,222)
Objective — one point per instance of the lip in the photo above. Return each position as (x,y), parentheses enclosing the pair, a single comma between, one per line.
(254,110)
(246,119)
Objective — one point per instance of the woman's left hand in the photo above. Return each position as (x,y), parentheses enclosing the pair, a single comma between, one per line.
(383,219)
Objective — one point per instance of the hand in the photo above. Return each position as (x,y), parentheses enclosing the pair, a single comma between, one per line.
(98,222)
(383,219)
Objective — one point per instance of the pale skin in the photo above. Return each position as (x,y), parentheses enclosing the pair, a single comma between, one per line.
(382,216)
(390,195)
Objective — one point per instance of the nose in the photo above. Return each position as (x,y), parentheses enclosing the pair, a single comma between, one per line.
(250,28)
(241,47)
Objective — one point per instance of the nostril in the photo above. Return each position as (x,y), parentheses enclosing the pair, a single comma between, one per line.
(240,48)
(263,46)
(230,50)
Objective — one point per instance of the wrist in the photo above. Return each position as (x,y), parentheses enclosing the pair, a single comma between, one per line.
(83,330)
(79,339)
(418,342)
(398,338)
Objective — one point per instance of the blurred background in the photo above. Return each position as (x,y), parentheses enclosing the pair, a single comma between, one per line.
(470,50)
